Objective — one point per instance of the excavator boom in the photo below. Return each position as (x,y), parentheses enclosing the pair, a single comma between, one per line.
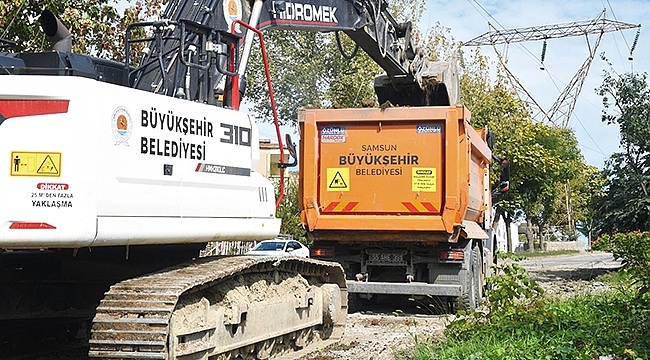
(193,37)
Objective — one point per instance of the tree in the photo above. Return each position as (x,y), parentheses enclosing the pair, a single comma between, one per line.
(586,191)
(543,159)
(565,167)
(497,108)
(98,28)
(626,103)
(308,69)
(289,210)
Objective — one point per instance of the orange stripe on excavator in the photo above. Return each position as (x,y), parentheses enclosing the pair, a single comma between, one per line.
(418,207)
(336,206)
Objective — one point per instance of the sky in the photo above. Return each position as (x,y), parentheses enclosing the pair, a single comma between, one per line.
(468,19)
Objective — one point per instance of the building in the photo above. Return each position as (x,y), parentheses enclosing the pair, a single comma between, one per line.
(269,159)
(500,235)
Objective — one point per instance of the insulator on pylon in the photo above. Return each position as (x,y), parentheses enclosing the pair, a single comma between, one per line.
(636,39)
(543,55)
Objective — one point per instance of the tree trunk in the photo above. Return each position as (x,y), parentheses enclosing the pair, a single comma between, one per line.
(508,221)
(541,236)
(569,211)
(529,235)
(589,233)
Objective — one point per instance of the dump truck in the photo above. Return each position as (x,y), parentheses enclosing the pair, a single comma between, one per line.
(400,197)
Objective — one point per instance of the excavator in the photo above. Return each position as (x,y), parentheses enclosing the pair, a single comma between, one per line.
(117,174)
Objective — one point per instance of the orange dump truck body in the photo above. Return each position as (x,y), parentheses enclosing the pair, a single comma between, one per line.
(420,169)
(378,187)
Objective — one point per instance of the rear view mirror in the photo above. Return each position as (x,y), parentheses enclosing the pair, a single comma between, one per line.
(291,147)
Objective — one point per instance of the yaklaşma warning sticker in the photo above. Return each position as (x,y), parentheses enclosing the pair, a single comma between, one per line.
(338,179)
(35,164)
(423,179)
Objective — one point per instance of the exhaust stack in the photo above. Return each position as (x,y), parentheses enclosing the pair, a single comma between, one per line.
(58,34)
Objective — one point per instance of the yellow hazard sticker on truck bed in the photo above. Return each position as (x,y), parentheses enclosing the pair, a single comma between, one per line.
(35,164)
(423,179)
(338,179)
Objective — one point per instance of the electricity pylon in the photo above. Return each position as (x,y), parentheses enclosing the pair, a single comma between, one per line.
(560,112)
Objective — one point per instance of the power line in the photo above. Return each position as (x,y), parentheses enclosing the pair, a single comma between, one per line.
(589,135)
(614,15)
(618,50)
(486,12)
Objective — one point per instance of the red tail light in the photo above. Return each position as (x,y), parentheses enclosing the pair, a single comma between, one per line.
(17,108)
(451,255)
(324,252)
(31,225)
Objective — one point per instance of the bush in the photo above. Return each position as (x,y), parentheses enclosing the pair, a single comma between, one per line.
(289,210)
(513,298)
(521,324)
(634,249)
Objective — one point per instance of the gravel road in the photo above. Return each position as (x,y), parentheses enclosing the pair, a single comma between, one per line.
(386,335)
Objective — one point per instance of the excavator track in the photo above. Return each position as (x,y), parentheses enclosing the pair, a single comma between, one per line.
(239,307)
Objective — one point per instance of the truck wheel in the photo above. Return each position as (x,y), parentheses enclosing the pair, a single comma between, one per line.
(473,292)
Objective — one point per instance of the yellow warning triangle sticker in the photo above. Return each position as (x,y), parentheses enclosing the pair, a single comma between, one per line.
(338,182)
(47,167)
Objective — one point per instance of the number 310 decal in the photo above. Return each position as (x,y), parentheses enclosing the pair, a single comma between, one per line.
(237,135)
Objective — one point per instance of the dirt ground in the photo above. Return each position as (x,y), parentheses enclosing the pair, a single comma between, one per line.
(381,336)
(390,335)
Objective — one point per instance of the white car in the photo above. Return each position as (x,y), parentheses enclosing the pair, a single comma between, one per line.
(279,247)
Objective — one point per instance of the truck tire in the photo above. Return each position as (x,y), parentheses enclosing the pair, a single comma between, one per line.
(473,292)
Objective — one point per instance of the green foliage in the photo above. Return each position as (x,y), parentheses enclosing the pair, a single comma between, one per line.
(587,192)
(97,27)
(524,255)
(351,83)
(289,210)
(512,296)
(543,159)
(549,253)
(510,255)
(628,97)
(626,205)
(301,71)
(512,290)
(308,69)
(634,249)
(522,325)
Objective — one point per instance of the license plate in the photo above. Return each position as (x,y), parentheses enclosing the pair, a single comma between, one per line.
(393,258)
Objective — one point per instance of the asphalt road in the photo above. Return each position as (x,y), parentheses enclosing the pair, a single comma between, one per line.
(586,260)
(583,266)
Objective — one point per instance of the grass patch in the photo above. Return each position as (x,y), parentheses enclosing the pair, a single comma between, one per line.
(550,253)
(523,255)
(618,279)
(533,327)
